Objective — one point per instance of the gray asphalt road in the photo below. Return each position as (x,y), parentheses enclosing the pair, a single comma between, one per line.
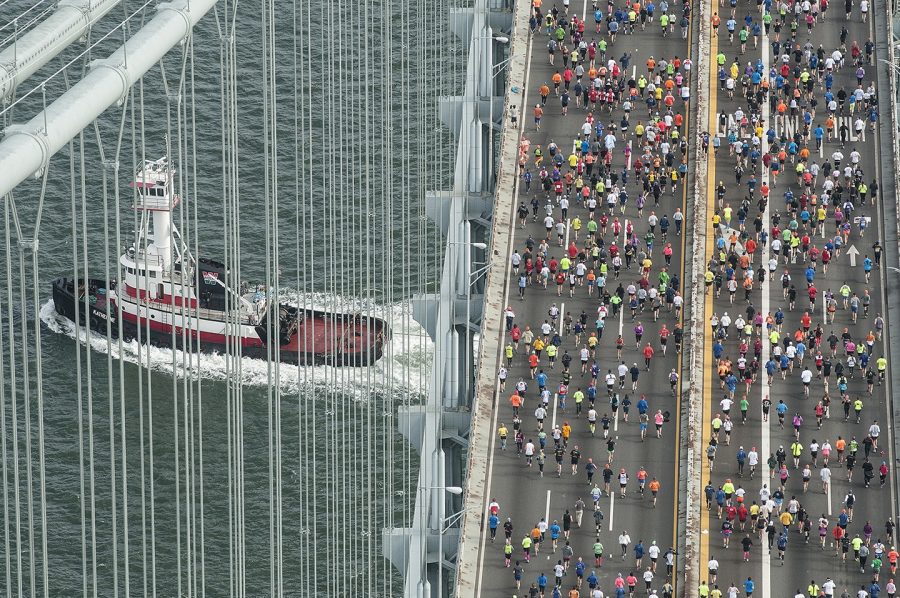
(522,494)
(804,562)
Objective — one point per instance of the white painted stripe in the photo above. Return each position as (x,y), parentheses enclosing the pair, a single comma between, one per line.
(562,314)
(547,509)
(621,318)
(612,506)
(622,305)
(553,417)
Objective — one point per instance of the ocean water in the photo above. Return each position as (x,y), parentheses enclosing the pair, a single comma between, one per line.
(172,474)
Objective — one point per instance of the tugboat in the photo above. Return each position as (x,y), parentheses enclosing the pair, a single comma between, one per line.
(168,298)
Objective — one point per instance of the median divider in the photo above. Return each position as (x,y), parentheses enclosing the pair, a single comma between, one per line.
(691,442)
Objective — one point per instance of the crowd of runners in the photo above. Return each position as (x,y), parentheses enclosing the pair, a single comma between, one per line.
(794,196)
(602,207)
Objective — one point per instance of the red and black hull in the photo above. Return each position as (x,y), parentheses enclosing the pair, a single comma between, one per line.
(301,333)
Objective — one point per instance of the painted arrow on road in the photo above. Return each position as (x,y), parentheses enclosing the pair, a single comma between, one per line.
(852,251)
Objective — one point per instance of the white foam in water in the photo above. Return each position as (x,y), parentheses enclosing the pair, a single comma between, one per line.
(404,364)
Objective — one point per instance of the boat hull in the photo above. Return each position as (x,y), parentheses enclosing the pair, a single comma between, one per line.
(69,302)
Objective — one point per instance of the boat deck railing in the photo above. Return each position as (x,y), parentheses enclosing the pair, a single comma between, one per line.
(149,202)
(150,259)
(238,315)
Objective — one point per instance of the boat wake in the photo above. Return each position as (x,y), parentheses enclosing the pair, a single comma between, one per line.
(404,366)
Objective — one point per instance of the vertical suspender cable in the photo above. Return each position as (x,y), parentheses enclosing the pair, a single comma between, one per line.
(14,424)
(329,169)
(298,219)
(126,530)
(181,336)
(182,311)
(224,57)
(358,290)
(342,403)
(305,413)
(273,332)
(90,383)
(140,386)
(39,376)
(146,566)
(185,404)
(79,385)
(231,260)
(196,281)
(385,100)
(26,392)
(311,402)
(176,438)
(145,329)
(7,554)
(276,275)
(109,357)
(366,427)
(235,355)
(193,423)
(232,230)
(23,245)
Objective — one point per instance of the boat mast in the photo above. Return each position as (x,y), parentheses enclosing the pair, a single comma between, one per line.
(155,183)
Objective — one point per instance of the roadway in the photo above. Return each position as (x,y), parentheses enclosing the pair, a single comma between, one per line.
(521,493)
(804,562)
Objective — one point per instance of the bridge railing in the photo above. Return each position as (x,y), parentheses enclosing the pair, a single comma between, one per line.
(426,551)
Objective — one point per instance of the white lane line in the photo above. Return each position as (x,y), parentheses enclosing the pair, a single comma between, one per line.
(547,510)
(621,319)
(824,313)
(553,418)
(622,305)
(612,506)
(616,422)
(568,227)
(766,577)
(562,314)
(828,494)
